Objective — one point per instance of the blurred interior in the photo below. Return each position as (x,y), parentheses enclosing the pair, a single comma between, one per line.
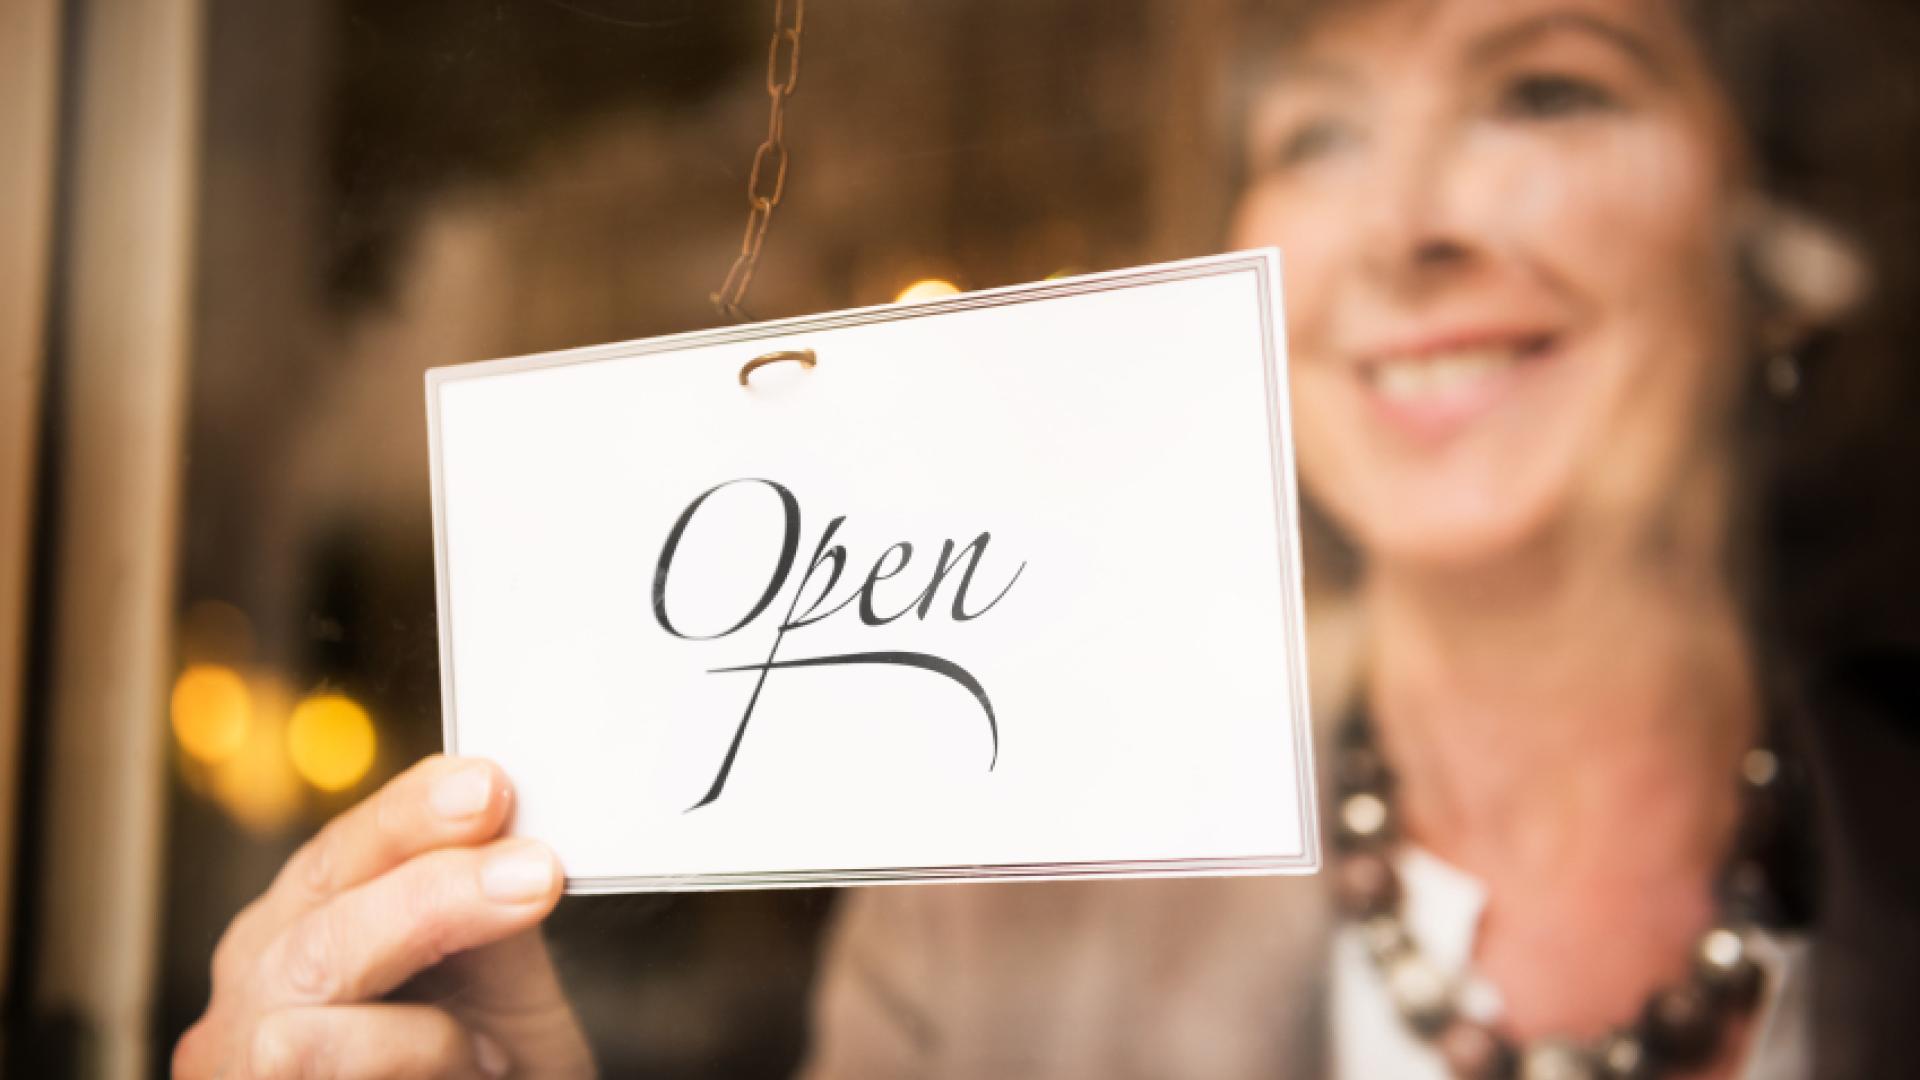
(235,236)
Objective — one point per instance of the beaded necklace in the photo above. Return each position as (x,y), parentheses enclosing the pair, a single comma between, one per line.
(1680,1027)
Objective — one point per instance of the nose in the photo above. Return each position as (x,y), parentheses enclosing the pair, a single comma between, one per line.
(1416,233)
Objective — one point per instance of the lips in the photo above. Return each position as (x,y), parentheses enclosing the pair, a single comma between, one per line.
(1439,384)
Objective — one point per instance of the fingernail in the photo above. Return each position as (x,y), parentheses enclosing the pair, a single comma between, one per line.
(517,875)
(488,1055)
(461,793)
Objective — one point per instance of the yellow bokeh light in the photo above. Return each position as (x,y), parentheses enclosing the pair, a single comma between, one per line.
(257,785)
(211,711)
(331,741)
(927,289)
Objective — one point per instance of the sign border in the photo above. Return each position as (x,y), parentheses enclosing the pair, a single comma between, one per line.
(1263,263)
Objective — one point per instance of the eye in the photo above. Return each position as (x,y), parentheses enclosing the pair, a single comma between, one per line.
(1311,141)
(1547,97)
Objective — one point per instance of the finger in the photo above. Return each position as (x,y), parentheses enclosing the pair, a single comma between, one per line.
(373,937)
(440,802)
(511,988)
(369,1042)
(511,977)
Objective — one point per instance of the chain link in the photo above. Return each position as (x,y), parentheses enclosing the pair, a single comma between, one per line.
(767,180)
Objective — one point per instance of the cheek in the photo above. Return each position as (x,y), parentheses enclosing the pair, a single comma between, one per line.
(1635,240)
(1309,230)
(1626,222)
(1313,231)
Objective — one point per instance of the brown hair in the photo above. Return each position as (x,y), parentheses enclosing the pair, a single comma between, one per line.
(1830,108)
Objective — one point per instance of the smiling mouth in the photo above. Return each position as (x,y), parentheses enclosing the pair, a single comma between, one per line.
(1448,374)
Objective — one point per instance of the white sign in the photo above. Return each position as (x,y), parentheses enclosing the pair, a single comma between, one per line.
(1002,585)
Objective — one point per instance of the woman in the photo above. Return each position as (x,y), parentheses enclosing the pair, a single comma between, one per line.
(1531,265)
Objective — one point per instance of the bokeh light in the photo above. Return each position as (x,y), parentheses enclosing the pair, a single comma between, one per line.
(211,710)
(257,786)
(330,740)
(927,289)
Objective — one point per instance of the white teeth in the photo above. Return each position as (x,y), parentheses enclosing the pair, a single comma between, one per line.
(1441,374)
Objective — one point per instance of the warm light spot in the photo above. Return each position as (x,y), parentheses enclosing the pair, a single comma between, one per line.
(330,740)
(257,786)
(927,289)
(211,711)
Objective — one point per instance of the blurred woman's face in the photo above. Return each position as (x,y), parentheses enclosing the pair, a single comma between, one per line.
(1509,271)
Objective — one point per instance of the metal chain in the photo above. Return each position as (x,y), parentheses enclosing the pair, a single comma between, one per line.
(767,181)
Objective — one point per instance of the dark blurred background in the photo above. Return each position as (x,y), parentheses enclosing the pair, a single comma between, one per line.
(393,186)
(375,188)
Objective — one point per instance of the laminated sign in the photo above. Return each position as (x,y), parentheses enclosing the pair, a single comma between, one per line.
(995,586)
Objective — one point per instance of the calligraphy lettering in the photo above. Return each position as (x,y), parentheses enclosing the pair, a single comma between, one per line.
(831,558)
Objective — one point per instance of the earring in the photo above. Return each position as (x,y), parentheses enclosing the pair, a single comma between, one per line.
(1783,375)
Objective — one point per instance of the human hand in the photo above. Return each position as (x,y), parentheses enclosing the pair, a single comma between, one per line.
(402,941)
